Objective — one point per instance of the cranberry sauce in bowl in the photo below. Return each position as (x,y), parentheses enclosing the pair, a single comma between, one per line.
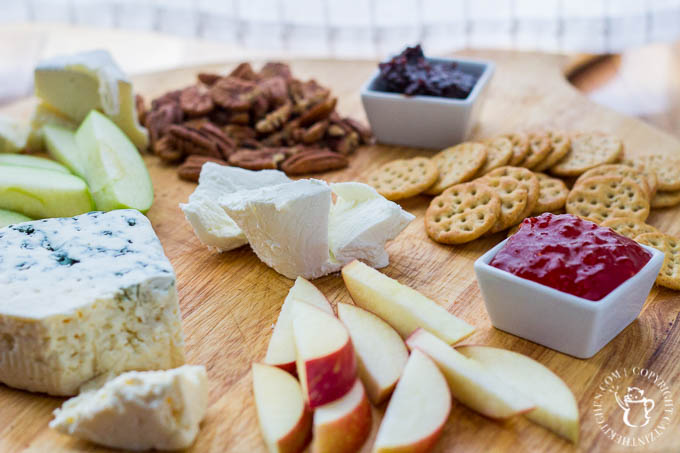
(571,255)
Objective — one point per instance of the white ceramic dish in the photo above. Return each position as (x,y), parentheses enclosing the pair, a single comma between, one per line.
(425,121)
(561,321)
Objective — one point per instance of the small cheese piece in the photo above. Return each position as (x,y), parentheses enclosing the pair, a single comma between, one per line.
(84,296)
(75,84)
(44,115)
(211,224)
(286,225)
(13,135)
(139,410)
(361,222)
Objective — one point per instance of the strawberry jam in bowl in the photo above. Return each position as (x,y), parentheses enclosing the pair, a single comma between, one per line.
(566,283)
(571,255)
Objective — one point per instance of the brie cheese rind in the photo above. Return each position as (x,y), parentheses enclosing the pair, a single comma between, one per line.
(75,84)
(139,410)
(213,227)
(84,296)
(297,230)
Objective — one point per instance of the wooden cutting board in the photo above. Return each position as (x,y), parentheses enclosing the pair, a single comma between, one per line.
(230,301)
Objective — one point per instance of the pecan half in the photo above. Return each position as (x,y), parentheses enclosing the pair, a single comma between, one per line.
(274,120)
(171,97)
(190,170)
(364,131)
(207,78)
(258,159)
(313,160)
(276,69)
(234,94)
(166,150)
(345,145)
(224,143)
(140,107)
(158,120)
(306,94)
(238,132)
(244,71)
(314,133)
(318,112)
(276,90)
(194,102)
(260,107)
(191,141)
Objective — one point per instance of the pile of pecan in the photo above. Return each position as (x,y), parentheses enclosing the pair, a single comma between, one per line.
(253,120)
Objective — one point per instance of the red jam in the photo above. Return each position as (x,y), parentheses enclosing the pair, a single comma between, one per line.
(571,255)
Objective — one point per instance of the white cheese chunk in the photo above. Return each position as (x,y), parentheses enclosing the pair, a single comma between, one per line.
(286,225)
(212,225)
(75,84)
(13,135)
(361,222)
(139,410)
(83,296)
(296,229)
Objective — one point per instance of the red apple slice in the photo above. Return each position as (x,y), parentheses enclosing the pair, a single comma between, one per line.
(343,425)
(281,349)
(470,383)
(556,407)
(285,420)
(418,409)
(381,353)
(326,364)
(402,307)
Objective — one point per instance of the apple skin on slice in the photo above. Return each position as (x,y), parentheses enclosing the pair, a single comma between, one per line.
(343,425)
(285,420)
(11,218)
(402,307)
(556,407)
(469,381)
(381,353)
(281,349)
(418,409)
(326,364)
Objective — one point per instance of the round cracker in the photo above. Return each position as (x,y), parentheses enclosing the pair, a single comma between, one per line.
(669,276)
(552,194)
(403,178)
(560,146)
(605,197)
(663,199)
(621,170)
(462,213)
(652,179)
(588,150)
(498,153)
(666,168)
(514,198)
(539,149)
(629,226)
(457,164)
(520,147)
(527,178)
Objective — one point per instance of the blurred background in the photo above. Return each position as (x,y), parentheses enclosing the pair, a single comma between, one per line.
(148,35)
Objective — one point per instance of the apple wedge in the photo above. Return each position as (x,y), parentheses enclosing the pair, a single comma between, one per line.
(281,349)
(556,407)
(285,420)
(326,364)
(471,383)
(402,307)
(418,409)
(381,353)
(343,425)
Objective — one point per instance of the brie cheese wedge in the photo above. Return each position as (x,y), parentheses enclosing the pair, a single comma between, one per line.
(213,227)
(139,410)
(13,135)
(75,84)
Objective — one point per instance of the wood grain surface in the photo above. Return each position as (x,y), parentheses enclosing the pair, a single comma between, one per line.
(230,301)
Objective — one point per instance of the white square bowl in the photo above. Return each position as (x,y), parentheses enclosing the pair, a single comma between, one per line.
(425,121)
(569,324)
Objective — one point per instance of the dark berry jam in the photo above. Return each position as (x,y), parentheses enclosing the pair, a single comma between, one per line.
(571,255)
(411,74)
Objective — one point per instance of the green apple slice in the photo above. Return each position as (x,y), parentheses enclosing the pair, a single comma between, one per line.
(61,145)
(113,168)
(23,160)
(42,193)
(11,218)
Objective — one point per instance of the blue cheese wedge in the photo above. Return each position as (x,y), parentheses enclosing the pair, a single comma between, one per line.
(84,296)
(213,227)
(139,410)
